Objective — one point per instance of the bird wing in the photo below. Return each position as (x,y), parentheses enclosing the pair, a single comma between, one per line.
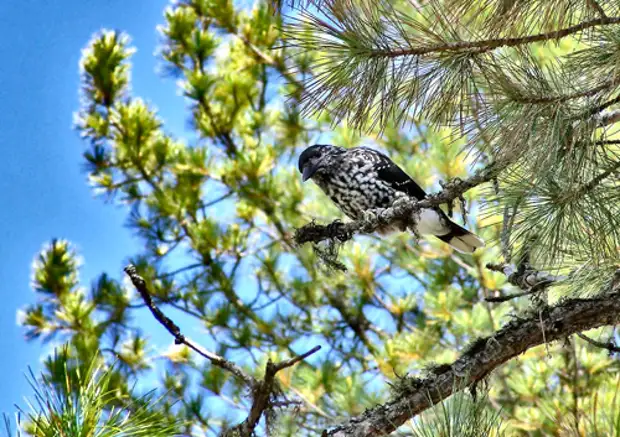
(389,172)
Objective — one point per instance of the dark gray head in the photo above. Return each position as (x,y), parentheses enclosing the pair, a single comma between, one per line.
(314,157)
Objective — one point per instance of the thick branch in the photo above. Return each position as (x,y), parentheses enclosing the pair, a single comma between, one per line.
(398,212)
(485,355)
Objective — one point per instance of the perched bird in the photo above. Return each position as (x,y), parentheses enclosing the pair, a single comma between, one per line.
(360,180)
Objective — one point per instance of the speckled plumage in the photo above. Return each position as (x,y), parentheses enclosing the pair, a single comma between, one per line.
(359,180)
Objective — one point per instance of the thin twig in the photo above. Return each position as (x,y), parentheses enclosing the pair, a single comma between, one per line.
(597,7)
(507,297)
(288,363)
(180,270)
(179,338)
(610,346)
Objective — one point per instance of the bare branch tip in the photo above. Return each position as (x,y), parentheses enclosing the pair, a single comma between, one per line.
(291,362)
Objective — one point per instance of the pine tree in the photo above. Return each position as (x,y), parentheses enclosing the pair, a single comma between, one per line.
(504,109)
(79,398)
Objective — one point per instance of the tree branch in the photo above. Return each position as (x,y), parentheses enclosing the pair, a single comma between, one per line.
(264,393)
(482,357)
(506,297)
(610,346)
(480,46)
(398,212)
(140,284)
(597,7)
(492,44)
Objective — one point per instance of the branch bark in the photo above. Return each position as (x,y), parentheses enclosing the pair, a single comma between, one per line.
(483,356)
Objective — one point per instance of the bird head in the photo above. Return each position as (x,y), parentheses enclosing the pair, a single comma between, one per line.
(313,159)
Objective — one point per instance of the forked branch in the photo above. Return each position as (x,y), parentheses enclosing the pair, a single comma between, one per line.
(265,393)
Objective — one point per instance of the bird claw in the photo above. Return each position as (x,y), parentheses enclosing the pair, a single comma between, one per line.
(336,230)
(370,216)
(400,201)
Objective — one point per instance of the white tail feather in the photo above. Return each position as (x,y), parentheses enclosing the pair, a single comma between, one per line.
(466,243)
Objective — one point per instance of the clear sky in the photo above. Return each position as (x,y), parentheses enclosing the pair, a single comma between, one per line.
(43,190)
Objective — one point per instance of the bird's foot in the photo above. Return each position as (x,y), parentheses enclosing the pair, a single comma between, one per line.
(337,229)
(379,213)
(370,216)
(400,202)
(374,214)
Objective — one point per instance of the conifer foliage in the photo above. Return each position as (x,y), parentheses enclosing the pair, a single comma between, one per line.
(280,324)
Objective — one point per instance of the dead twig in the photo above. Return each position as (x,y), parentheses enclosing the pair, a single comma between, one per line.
(610,346)
(217,360)
(265,393)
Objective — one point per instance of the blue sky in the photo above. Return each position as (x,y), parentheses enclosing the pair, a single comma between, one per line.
(43,189)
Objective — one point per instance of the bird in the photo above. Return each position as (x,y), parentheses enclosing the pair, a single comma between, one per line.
(360,179)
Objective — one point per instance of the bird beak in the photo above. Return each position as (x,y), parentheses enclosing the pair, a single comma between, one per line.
(309,171)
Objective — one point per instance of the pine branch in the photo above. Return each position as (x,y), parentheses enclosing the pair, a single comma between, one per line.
(381,62)
(351,18)
(402,211)
(563,98)
(483,356)
(483,46)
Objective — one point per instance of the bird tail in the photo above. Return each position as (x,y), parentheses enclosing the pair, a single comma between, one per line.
(461,239)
